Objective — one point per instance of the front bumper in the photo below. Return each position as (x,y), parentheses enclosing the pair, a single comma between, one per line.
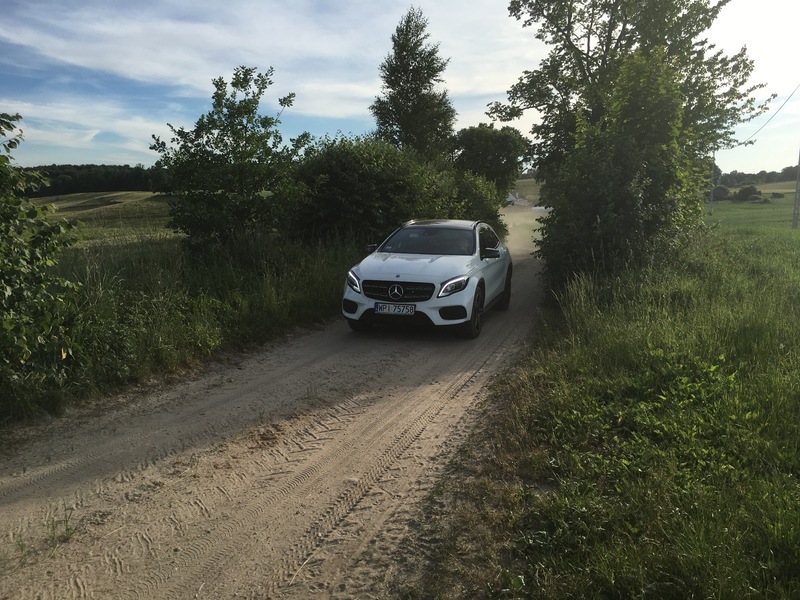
(449,310)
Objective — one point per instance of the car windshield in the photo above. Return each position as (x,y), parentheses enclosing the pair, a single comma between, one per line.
(431,240)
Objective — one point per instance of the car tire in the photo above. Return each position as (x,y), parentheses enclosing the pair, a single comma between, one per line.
(472,328)
(504,302)
(356,325)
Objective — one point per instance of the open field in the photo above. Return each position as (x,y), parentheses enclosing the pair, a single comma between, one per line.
(776,213)
(104,215)
(780,187)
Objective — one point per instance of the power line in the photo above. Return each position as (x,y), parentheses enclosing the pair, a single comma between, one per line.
(772,117)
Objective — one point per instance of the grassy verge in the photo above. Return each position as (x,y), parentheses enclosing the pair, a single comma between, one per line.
(146,306)
(649,444)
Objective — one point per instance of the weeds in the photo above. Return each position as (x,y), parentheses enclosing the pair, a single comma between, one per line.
(648,447)
(22,550)
(146,305)
(60,531)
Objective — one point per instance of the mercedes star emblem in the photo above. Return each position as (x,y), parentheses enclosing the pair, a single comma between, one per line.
(395,292)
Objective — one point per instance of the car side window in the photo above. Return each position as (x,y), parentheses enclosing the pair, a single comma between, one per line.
(488,239)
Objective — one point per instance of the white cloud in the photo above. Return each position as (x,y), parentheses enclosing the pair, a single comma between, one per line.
(326,51)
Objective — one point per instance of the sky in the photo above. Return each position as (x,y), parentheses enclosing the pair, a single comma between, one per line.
(95,79)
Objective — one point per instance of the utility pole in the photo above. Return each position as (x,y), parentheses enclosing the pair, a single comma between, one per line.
(796,197)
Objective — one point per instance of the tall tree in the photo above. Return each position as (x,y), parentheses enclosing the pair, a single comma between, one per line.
(412,113)
(496,154)
(625,72)
(226,171)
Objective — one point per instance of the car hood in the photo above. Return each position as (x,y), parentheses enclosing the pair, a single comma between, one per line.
(384,265)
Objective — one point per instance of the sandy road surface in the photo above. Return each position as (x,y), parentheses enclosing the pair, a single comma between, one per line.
(293,473)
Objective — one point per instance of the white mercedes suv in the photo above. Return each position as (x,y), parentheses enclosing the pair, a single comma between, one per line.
(446,272)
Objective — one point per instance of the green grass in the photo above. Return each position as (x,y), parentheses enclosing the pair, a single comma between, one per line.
(649,445)
(145,305)
(112,215)
(777,213)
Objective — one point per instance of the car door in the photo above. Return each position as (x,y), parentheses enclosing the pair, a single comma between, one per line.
(494,269)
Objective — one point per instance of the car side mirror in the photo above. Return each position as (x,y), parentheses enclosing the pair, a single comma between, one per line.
(370,248)
(490,253)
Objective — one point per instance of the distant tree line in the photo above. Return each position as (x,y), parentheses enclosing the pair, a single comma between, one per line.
(74,179)
(738,179)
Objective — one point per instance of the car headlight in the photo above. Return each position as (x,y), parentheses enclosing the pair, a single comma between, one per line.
(354,282)
(452,286)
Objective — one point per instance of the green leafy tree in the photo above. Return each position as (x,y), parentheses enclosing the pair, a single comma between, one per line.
(623,186)
(788,173)
(591,105)
(748,193)
(35,305)
(364,187)
(231,171)
(412,113)
(478,199)
(496,154)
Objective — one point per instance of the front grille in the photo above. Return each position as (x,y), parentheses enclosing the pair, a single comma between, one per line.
(412,291)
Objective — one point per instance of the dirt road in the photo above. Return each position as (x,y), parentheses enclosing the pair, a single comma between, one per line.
(295,472)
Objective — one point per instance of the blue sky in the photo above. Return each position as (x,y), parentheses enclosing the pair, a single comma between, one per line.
(94,79)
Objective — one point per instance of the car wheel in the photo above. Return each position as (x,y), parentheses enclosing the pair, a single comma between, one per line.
(359,325)
(505,298)
(472,328)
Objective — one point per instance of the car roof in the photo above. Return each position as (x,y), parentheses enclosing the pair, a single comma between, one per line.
(450,223)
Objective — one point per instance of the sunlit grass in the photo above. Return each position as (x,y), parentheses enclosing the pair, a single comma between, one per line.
(100,216)
(773,213)
(649,446)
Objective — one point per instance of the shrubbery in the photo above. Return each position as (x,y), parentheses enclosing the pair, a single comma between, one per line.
(361,187)
(721,193)
(366,187)
(230,171)
(35,304)
(748,193)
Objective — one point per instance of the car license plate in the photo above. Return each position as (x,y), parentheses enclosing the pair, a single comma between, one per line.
(405,310)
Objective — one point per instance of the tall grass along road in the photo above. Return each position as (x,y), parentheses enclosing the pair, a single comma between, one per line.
(293,472)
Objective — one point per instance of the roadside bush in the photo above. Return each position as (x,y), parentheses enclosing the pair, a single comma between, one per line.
(364,187)
(722,193)
(35,305)
(748,193)
(479,199)
(228,173)
(626,192)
